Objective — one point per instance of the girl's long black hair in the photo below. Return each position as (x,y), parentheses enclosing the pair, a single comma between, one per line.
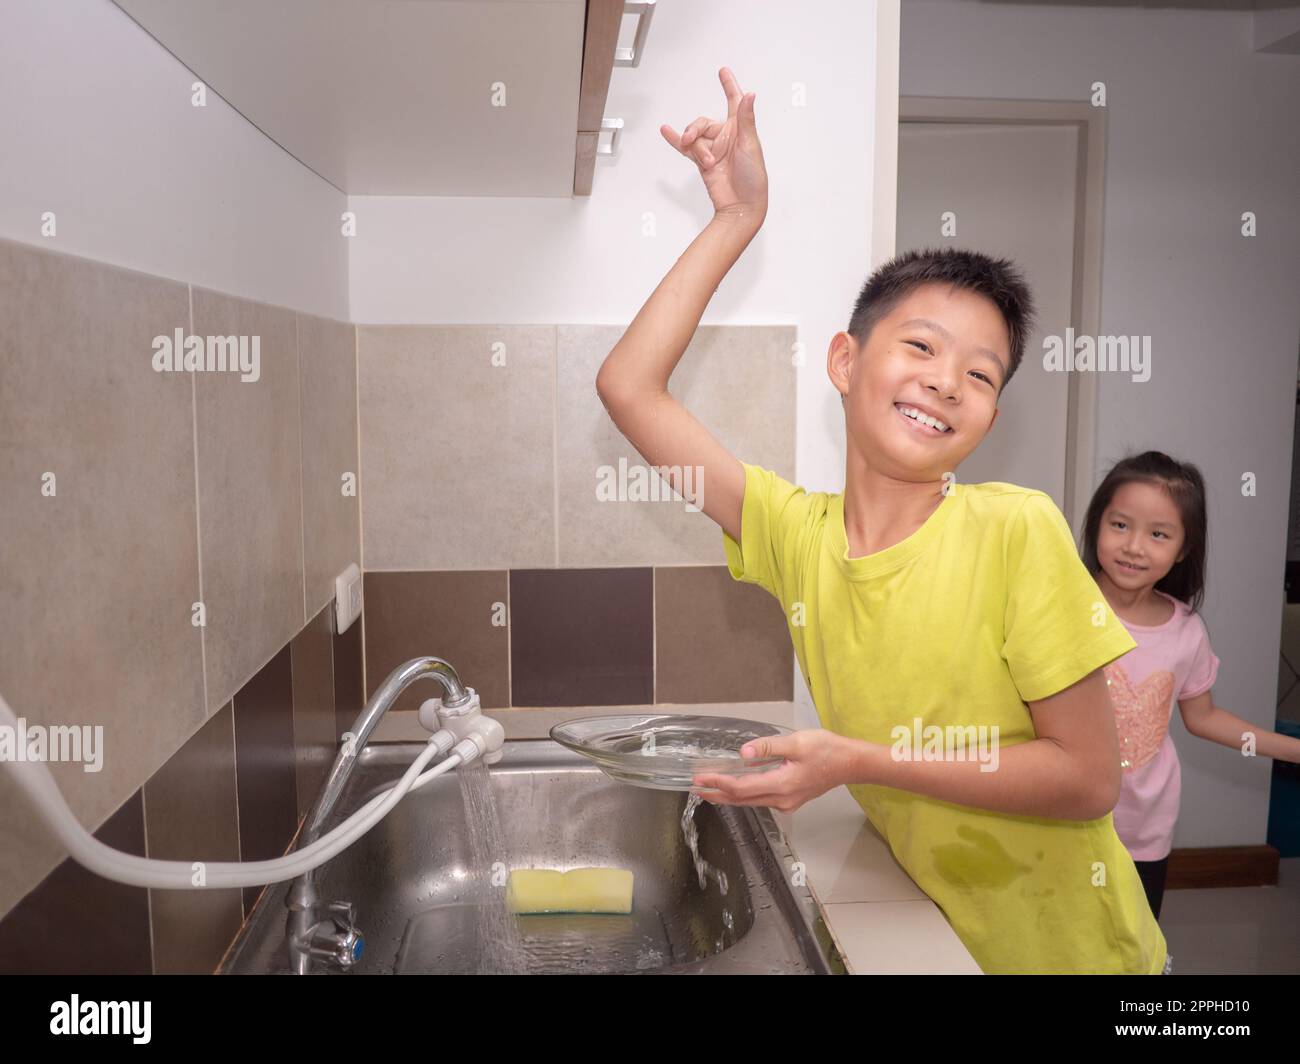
(1184,484)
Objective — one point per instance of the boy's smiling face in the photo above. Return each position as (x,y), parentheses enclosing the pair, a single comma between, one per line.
(944,351)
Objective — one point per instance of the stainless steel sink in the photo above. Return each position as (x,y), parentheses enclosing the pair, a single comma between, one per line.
(406,878)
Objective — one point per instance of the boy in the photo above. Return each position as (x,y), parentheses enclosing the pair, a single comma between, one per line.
(917,606)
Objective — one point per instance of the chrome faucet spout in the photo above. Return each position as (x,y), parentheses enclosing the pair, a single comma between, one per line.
(303,898)
(355,740)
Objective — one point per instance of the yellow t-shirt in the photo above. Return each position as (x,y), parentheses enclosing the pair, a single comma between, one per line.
(984,608)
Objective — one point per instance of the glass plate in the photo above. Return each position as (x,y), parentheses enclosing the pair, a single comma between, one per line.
(666,751)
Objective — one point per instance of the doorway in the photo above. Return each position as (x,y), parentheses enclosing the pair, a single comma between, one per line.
(1021,179)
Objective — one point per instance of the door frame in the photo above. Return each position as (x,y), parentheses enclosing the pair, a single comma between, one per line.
(1089,124)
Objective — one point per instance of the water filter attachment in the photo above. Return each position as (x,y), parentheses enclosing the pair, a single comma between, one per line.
(463,720)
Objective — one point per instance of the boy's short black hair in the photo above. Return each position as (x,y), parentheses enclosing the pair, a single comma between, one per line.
(997,279)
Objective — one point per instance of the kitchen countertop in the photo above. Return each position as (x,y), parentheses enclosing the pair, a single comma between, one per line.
(881,920)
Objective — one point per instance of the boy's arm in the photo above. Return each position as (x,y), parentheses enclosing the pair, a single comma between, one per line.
(633,381)
(1070,772)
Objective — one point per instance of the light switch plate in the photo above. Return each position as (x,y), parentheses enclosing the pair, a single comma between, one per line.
(347,597)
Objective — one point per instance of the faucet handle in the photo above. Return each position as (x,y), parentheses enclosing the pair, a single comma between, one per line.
(344,909)
(342,945)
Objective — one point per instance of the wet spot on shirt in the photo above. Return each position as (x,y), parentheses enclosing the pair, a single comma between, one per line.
(979,861)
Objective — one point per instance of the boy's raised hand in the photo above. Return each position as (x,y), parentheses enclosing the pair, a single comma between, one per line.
(728,153)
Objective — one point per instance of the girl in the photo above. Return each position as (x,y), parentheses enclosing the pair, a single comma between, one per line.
(1145,543)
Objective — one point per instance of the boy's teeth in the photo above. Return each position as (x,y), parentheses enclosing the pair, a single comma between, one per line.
(925,419)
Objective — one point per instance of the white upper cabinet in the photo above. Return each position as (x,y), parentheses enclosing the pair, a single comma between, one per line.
(411,97)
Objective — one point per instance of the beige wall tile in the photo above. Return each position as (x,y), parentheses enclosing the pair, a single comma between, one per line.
(331,529)
(250,494)
(737,380)
(96,582)
(456,452)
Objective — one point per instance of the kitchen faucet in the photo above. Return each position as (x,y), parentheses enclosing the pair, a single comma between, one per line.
(327,931)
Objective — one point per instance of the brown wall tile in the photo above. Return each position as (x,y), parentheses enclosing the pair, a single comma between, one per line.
(349,685)
(313,705)
(717,640)
(78,923)
(449,615)
(191,814)
(265,765)
(581,637)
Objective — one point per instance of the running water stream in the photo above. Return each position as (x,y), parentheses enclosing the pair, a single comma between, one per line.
(500,941)
(692,835)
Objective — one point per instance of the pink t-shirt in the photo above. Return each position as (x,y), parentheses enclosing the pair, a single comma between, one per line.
(1171,662)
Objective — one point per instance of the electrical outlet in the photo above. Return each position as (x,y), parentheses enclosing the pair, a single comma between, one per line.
(347,597)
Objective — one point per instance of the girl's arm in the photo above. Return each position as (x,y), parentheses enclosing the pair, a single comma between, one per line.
(1205,720)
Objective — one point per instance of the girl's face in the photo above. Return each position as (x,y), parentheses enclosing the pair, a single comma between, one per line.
(1141,536)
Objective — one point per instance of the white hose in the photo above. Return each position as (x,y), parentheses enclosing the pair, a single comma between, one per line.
(36,780)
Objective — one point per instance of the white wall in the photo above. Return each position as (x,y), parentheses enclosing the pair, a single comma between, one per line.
(96,125)
(1201,128)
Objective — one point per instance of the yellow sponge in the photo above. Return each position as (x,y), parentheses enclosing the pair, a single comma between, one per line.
(579,890)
